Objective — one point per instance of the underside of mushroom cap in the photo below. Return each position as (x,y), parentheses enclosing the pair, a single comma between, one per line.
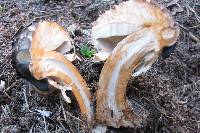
(128,17)
(49,36)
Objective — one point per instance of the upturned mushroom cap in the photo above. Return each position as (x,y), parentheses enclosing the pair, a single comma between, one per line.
(128,17)
(21,56)
(49,36)
(21,59)
(47,61)
(135,33)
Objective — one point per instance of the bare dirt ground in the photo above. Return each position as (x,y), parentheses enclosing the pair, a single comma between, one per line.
(170,91)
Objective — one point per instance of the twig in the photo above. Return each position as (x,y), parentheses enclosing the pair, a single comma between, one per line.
(11,86)
(81,4)
(196,26)
(45,124)
(173,2)
(192,36)
(63,127)
(68,113)
(196,15)
(7,95)
(24,91)
(63,110)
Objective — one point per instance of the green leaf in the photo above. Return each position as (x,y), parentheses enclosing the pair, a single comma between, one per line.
(1,9)
(86,51)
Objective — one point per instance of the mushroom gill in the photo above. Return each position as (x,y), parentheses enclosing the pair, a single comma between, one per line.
(48,63)
(128,17)
(134,33)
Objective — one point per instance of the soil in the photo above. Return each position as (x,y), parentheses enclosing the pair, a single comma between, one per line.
(169,91)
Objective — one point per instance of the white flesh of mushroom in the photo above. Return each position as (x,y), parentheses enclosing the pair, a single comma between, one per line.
(134,33)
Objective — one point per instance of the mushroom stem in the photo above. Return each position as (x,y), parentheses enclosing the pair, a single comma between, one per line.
(136,52)
(53,65)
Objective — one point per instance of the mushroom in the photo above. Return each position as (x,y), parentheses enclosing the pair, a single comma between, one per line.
(21,59)
(133,34)
(46,62)
(49,39)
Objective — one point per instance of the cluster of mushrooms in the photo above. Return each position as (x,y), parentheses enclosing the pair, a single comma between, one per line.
(129,38)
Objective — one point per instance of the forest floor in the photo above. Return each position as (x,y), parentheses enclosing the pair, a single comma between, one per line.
(169,91)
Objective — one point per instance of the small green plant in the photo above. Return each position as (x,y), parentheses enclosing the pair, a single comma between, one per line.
(86,51)
(1,9)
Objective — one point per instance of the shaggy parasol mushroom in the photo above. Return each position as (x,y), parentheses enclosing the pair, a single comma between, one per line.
(45,60)
(21,59)
(133,34)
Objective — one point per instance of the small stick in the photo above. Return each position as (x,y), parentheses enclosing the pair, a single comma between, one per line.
(63,127)
(63,110)
(192,36)
(45,124)
(27,106)
(173,2)
(11,86)
(196,15)
(7,95)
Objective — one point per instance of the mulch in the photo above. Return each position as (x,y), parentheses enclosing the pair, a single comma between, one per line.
(169,91)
